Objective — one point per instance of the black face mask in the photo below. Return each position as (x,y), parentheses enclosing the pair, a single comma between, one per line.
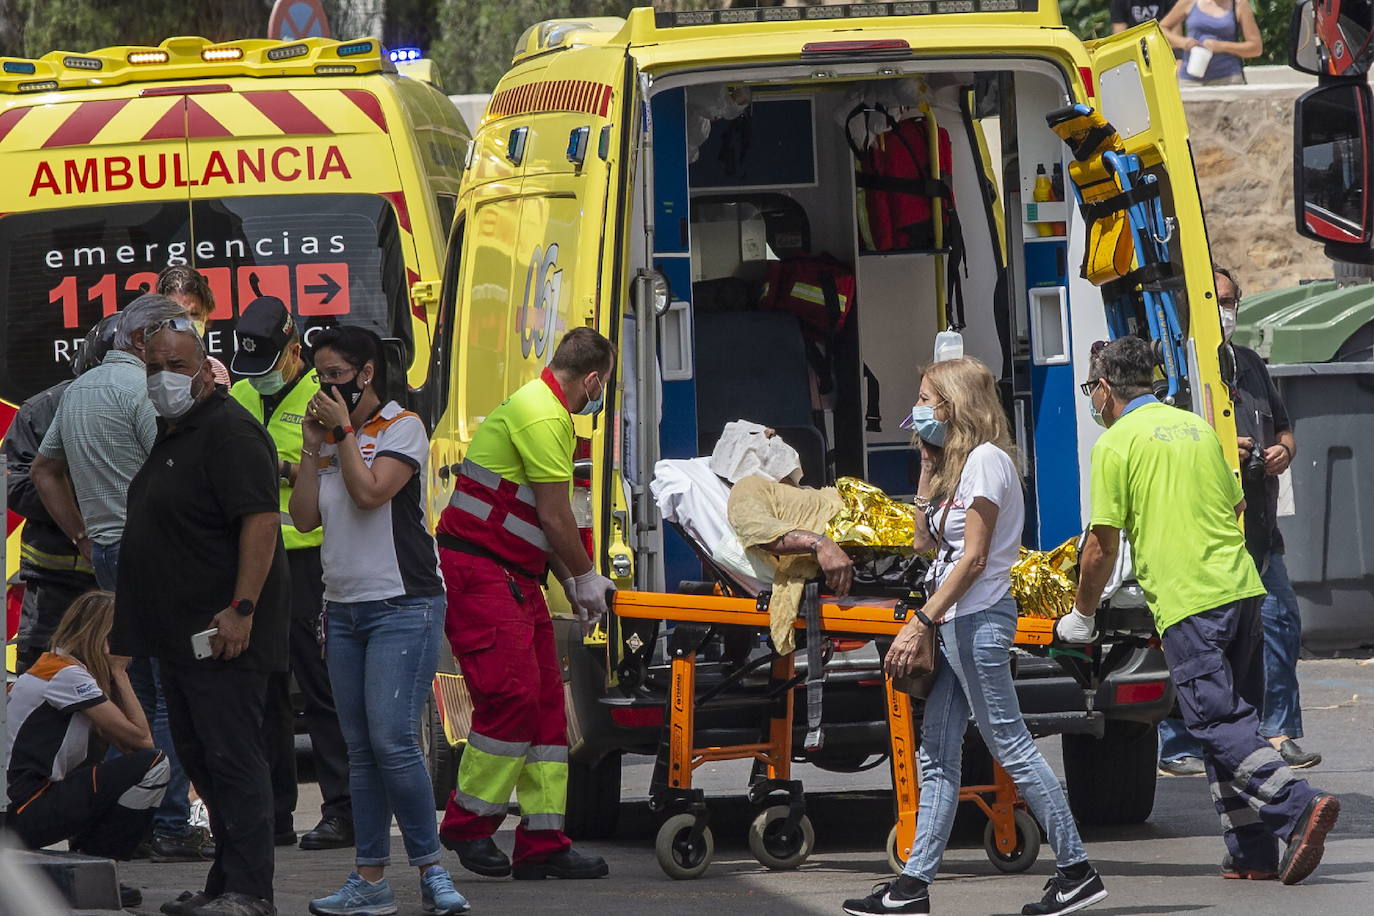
(349,391)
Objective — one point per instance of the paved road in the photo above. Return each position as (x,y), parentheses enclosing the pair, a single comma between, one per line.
(1165,866)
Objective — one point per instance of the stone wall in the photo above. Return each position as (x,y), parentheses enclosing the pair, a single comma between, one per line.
(1242,138)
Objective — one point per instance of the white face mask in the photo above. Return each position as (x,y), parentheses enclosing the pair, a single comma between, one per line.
(172,393)
(1228,323)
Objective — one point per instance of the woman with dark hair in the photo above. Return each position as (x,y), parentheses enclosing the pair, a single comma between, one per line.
(188,288)
(362,477)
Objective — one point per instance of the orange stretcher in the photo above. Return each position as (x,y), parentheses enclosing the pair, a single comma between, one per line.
(781,836)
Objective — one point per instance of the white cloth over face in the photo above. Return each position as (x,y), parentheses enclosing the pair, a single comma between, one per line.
(744,449)
(691,496)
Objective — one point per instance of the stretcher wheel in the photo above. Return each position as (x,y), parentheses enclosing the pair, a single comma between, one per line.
(772,848)
(895,860)
(1027,844)
(676,857)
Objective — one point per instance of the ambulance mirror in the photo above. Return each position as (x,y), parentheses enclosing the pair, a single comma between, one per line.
(1332,37)
(1332,162)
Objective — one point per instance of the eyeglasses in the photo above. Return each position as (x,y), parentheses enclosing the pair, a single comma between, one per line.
(176,324)
(1088,386)
(1228,302)
(333,376)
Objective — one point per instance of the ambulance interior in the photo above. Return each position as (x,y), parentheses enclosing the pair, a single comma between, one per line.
(751,168)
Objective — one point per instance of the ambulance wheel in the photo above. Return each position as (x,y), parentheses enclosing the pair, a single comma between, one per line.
(1027,844)
(778,850)
(895,861)
(679,860)
(441,758)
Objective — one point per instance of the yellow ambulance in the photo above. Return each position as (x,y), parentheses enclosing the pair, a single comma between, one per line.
(660,177)
(309,170)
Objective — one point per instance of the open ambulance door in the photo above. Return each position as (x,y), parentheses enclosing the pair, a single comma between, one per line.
(1135,87)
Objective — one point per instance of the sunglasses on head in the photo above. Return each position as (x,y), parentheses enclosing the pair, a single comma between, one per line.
(179,323)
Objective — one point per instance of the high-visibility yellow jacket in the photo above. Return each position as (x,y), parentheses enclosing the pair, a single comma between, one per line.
(284,426)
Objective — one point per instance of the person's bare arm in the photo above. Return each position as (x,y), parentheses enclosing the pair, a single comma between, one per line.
(552,505)
(371,487)
(924,541)
(258,535)
(1240,508)
(49,476)
(305,494)
(1172,26)
(1251,44)
(834,562)
(121,720)
(1118,27)
(1279,456)
(1096,561)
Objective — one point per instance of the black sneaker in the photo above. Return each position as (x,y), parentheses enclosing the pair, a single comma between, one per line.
(1067,895)
(1307,842)
(1296,757)
(567,863)
(1182,766)
(185,903)
(129,896)
(189,847)
(886,898)
(480,856)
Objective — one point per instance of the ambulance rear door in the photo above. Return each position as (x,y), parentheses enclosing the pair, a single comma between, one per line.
(297,195)
(1136,89)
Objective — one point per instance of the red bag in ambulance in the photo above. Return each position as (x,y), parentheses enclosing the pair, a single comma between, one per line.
(895,189)
(818,289)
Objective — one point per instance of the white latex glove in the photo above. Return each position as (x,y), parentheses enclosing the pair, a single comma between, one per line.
(589,598)
(1076,627)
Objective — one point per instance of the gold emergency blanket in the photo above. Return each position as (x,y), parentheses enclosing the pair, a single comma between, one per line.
(1044,581)
(761,511)
(871,518)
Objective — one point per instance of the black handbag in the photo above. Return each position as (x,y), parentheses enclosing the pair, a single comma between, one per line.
(886,573)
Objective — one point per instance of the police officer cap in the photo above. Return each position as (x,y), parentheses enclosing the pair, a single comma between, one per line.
(264,330)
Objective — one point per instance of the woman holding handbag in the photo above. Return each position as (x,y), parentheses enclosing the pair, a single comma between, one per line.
(972,511)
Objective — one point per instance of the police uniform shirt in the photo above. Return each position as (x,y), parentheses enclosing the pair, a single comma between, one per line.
(179,560)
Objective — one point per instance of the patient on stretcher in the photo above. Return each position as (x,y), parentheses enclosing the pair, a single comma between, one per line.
(742,505)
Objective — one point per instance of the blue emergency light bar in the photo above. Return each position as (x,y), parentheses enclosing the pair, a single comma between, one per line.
(401,55)
(667,20)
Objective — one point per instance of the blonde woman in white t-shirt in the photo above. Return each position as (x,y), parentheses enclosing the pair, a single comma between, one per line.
(973,510)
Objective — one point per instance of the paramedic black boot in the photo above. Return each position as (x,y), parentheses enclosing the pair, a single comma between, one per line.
(481,857)
(904,895)
(1070,889)
(565,864)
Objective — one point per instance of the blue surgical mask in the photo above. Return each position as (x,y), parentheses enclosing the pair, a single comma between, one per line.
(594,405)
(1096,414)
(931,430)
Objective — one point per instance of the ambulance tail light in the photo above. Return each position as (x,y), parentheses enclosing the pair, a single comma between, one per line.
(148,57)
(287,52)
(1140,692)
(335,69)
(876,46)
(218,55)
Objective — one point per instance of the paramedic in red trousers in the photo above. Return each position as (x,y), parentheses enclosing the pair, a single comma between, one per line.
(1159,474)
(509,520)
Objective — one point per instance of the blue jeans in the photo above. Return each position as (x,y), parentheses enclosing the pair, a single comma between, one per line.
(975,677)
(173,815)
(382,656)
(1282,714)
(1175,741)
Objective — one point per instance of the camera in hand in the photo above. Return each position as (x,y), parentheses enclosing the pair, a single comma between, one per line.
(1253,472)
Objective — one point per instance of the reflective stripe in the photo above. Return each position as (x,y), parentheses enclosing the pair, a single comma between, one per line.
(1258,758)
(286,520)
(477,806)
(471,504)
(547,753)
(1271,786)
(489,479)
(45,560)
(526,532)
(496,747)
(1241,817)
(808,292)
(492,481)
(542,822)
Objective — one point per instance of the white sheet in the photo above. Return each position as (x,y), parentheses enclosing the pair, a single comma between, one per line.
(689,494)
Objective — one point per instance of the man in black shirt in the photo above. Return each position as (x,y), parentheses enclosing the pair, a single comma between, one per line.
(1265,438)
(202,550)
(1130,13)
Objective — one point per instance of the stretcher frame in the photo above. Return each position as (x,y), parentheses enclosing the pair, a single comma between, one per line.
(999,800)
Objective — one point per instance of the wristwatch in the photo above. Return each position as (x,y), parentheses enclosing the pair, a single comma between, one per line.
(245,607)
(921,616)
(340,432)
